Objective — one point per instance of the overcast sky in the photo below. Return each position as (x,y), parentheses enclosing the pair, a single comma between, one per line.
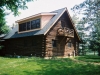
(39,6)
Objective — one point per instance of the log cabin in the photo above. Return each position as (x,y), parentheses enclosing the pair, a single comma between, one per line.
(44,35)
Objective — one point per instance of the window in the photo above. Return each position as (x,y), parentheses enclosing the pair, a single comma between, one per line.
(38,23)
(22,27)
(29,25)
(33,25)
(69,43)
(54,43)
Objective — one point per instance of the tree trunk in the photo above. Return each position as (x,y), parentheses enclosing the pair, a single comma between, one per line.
(98,52)
(94,52)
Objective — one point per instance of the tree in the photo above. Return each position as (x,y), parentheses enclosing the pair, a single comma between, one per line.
(13,6)
(75,19)
(80,28)
(90,9)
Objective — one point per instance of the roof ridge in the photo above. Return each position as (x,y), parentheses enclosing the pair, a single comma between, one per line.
(59,9)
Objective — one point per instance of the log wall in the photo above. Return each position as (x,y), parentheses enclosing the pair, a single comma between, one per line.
(62,48)
(42,45)
(26,46)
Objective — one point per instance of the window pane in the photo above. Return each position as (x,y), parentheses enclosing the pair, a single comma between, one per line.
(24,26)
(20,27)
(28,25)
(38,23)
(33,25)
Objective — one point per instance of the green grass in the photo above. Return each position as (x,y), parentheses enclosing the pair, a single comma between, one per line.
(89,58)
(39,66)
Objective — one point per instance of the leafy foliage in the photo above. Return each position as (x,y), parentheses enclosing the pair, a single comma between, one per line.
(90,9)
(80,28)
(89,58)
(13,6)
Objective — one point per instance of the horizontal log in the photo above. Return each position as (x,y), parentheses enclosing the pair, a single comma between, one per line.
(48,39)
(49,36)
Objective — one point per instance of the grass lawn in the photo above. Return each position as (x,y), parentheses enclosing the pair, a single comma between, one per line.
(39,66)
(89,58)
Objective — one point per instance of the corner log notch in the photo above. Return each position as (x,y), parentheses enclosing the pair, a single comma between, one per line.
(65,32)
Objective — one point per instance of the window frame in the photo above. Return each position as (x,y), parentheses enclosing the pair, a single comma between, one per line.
(25,26)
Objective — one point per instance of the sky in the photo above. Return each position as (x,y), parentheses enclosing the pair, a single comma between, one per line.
(38,6)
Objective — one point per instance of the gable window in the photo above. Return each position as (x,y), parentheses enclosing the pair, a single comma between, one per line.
(29,25)
(54,43)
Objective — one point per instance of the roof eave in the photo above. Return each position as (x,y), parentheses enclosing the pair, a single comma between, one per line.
(33,16)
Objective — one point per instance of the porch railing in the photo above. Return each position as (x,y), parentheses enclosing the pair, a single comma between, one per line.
(65,32)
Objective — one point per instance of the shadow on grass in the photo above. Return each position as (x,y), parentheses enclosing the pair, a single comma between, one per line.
(39,66)
(89,58)
(30,73)
(65,67)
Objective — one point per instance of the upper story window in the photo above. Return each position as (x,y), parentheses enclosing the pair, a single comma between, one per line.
(29,25)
